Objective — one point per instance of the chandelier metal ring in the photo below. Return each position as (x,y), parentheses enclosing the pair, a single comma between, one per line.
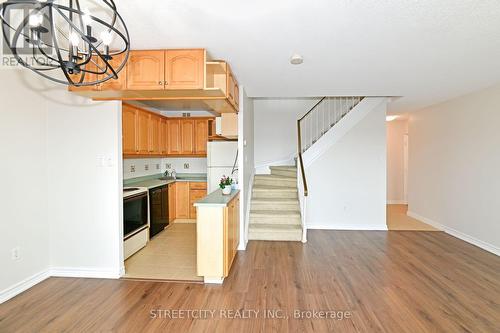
(62,36)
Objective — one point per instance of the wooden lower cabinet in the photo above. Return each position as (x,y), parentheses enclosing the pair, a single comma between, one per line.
(197,191)
(172,199)
(217,236)
(231,233)
(186,194)
(182,200)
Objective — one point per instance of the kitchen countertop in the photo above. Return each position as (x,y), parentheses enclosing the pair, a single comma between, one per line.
(216,199)
(154,181)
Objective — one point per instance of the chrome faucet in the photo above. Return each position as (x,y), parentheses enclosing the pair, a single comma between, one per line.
(166,173)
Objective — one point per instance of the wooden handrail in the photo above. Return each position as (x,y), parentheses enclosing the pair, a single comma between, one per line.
(299,146)
(299,135)
(314,107)
(299,142)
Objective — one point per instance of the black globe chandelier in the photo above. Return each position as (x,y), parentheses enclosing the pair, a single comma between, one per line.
(73,42)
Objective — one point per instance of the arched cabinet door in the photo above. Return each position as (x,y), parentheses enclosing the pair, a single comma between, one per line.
(146,70)
(184,69)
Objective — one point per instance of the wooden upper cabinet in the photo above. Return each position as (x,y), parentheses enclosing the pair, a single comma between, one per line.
(121,82)
(200,136)
(232,88)
(154,134)
(236,95)
(174,136)
(187,136)
(146,70)
(143,132)
(185,69)
(163,136)
(129,129)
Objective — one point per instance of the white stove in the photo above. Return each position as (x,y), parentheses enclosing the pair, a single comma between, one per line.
(131,191)
(135,219)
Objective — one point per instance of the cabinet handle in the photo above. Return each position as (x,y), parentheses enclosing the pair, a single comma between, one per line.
(160,83)
(165,83)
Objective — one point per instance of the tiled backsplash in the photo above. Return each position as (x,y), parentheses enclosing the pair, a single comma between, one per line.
(141,167)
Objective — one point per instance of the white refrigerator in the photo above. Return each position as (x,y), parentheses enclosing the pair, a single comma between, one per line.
(222,160)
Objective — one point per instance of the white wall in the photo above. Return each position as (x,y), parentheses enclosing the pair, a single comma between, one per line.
(62,198)
(275,130)
(85,185)
(396,131)
(454,167)
(23,199)
(347,183)
(246,161)
(196,165)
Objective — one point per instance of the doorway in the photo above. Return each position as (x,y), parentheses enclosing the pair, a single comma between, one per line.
(398,153)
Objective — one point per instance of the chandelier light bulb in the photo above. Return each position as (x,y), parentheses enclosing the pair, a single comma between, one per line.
(35,20)
(86,19)
(106,37)
(74,39)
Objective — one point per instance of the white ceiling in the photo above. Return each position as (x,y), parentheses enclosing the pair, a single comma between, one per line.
(426,51)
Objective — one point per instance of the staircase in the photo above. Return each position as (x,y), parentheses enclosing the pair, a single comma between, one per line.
(275,210)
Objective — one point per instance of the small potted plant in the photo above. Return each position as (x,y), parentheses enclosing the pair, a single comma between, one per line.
(225,185)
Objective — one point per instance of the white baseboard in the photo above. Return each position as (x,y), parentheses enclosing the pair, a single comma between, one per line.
(24,285)
(397,202)
(458,234)
(372,227)
(213,280)
(85,272)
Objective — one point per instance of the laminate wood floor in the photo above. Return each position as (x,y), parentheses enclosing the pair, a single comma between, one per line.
(397,219)
(394,281)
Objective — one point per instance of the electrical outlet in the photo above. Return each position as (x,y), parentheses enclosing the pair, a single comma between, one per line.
(168,166)
(157,167)
(132,168)
(16,253)
(186,165)
(146,167)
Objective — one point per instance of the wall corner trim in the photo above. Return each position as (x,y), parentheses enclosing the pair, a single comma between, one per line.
(458,234)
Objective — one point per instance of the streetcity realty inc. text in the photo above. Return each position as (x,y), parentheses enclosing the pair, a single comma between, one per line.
(248,314)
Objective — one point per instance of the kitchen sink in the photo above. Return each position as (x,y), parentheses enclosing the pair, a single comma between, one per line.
(167,178)
(180,178)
